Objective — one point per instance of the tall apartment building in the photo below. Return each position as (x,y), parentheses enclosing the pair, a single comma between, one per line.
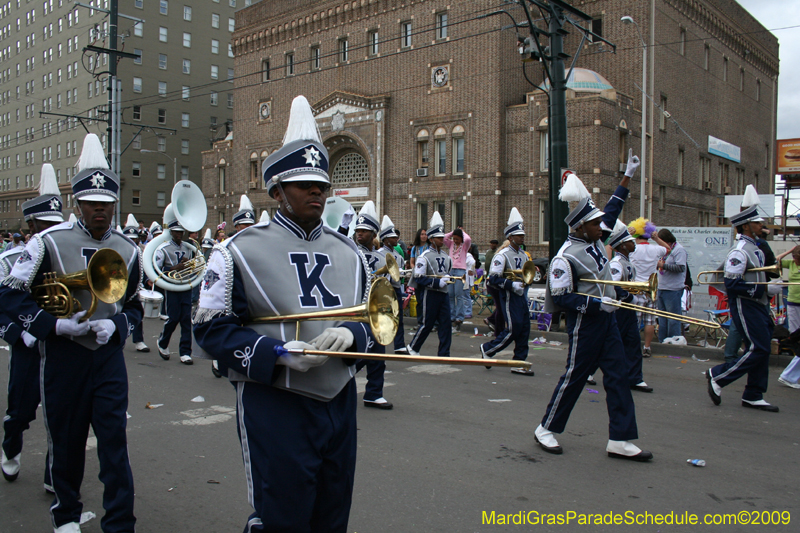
(176,99)
(423,105)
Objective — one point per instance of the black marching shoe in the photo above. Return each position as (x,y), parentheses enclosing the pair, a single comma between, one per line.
(642,387)
(215,369)
(523,371)
(716,398)
(380,403)
(590,380)
(761,405)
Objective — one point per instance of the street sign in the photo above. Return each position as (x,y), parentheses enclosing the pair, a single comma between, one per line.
(564,173)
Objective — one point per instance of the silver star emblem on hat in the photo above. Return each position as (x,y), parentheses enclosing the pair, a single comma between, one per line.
(360,220)
(98,181)
(248,215)
(55,205)
(312,157)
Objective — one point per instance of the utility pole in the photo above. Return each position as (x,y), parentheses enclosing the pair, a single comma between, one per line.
(557,15)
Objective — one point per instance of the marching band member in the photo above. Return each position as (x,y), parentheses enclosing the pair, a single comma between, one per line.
(366,229)
(207,244)
(296,413)
(24,396)
(622,270)
(246,216)
(131,231)
(389,237)
(594,339)
(84,381)
(749,304)
(431,271)
(513,301)
(173,255)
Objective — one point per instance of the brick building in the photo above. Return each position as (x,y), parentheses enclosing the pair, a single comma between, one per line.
(423,105)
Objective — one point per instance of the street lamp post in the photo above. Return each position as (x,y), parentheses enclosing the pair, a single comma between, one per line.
(173,159)
(643,157)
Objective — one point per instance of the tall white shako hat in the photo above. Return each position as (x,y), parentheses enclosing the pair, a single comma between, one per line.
(574,190)
(208,242)
(246,213)
(619,235)
(436,226)
(170,220)
(264,217)
(302,156)
(155,229)
(750,204)
(47,206)
(368,218)
(387,228)
(131,229)
(515,224)
(94,182)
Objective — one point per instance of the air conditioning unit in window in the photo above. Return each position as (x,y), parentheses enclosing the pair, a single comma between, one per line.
(727,190)
(707,185)
(253,184)
(422,172)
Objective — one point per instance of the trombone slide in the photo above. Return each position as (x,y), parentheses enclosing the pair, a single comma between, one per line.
(656,312)
(280,350)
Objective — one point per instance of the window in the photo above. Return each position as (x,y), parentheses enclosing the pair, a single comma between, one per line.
(162,34)
(422,149)
(161,171)
(231,25)
(597,29)
(163,7)
(457,213)
(161,143)
(137,60)
(758,90)
(544,221)
(214,46)
(214,98)
(704,174)
(187,13)
(441,156)
(161,198)
(162,116)
(682,42)
(422,215)
(230,50)
(230,75)
(187,66)
(680,166)
(662,115)
(343,50)
(138,29)
(162,61)
(184,120)
(265,70)
(544,151)
(724,69)
(214,20)
(232,3)
(222,180)
(137,85)
(316,60)
(405,34)
(136,196)
(706,56)
(187,39)
(162,88)
(185,92)
(214,72)
(458,155)
(741,79)
(230,100)
(185,146)
(441,25)
(289,64)
(137,112)
(136,170)
(184,173)
(136,144)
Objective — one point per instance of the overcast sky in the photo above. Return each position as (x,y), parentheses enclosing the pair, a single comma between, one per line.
(775,14)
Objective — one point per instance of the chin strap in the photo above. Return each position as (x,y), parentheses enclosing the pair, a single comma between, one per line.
(286,200)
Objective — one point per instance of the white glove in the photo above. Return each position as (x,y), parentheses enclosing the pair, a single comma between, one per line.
(639,300)
(347,217)
(633,163)
(334,340)
(298,361)
(774,289)
(104,329)
(605,304)
(518,287)
(71,326)
(443,282)
(28,339)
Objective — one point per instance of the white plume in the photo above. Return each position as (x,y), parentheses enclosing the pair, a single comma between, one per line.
(245,204)
(573,190)
(369,210)
(119,229)
(208,234)
(750,197)
(48,183)
(302,124)
(73,218)
(514,217)
(131,222)
(436,220)
(264,217)
(92,154)
(386,223)
(154,226)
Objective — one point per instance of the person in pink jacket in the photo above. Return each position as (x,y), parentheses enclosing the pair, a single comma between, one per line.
(458,242)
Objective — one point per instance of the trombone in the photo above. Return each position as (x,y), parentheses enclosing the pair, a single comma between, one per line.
(526,274)
(772,269)
(649,287)
(450,281)
(657,312)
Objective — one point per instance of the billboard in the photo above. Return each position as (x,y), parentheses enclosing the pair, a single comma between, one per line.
(706,248)
(788,156)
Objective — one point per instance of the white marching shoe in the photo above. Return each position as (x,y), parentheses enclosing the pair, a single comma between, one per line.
(623,449)
(10,467)
(547,441)
(72,527)
(411,351)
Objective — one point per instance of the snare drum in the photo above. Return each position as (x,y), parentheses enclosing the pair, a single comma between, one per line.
(151,300)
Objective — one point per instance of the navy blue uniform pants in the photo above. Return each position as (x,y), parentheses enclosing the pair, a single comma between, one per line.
(81,388)
(23,398)
(753,321)
(497,317)
(632,342)
(179,310)
(137,335)
(375,371)
(435,307)
(517,326)
(594,342)
(399,339)
(299,458)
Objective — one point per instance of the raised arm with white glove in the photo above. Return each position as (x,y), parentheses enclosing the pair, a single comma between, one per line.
(633,163)
(347,217)
(606,304)
(72,327)
(298,361)
(104,329)
(334,340)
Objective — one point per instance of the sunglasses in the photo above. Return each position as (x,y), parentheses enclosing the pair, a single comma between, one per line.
(306,185)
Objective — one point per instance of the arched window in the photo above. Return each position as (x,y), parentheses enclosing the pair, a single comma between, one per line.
(458,149)
(351,169)
(422,152)
(222,167)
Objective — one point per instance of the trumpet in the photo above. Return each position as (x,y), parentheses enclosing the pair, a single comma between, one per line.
(381,312)
(526,274)
(105,277)
(450,281)
(390,268)
(772,269)
(649,287)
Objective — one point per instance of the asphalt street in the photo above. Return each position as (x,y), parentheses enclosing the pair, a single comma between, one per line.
(457,447)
